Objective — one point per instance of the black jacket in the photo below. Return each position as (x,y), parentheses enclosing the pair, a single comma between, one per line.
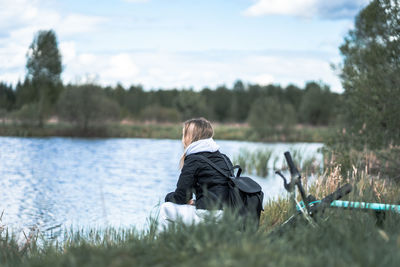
(197,176)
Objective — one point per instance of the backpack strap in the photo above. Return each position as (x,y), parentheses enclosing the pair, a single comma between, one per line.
(212,164)
(230,167)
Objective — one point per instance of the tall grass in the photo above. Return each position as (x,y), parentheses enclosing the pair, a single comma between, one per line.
(254,162)
(344,239)
(341,238)
(258,161)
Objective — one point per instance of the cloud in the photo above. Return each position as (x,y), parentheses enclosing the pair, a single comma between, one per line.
(68,51)
(77,23)
(120,68)
(292,69)
(108,69)
(14,13)
(338,9)
(152,68)
(262,79)
(21,19)
(282,7)
(161,69)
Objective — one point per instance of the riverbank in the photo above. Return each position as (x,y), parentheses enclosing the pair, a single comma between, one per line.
(240,132)
(345,238)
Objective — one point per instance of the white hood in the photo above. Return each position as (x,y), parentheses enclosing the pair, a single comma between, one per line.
(203,145)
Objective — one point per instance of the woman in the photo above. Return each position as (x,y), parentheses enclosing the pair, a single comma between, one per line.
(209,186)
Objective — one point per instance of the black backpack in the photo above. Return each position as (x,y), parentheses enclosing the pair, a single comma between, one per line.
(245,194)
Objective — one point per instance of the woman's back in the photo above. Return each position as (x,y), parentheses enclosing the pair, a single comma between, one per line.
(211,187)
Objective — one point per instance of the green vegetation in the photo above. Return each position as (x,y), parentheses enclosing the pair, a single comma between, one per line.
(85,105)
(269,111)
(370,75)
(160,130)
(341,239)
(257,162)
(254,162)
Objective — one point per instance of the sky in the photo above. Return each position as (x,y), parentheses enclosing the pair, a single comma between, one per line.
(182,43)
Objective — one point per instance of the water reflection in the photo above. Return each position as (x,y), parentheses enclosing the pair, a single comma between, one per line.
(54,182)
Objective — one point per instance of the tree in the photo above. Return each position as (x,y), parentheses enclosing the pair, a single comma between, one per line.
(268,114)
(85,105)
(221,103)
(44,72)
(160,114)
(191,104)
(7,97)
(317,104)
(240,102)
(370,74)
(294,95)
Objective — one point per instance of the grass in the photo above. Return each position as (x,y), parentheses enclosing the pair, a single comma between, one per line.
(163,130)
(254,162)
(257,162)
(343,238)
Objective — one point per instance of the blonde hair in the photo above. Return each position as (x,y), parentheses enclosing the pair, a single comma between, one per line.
(195,130)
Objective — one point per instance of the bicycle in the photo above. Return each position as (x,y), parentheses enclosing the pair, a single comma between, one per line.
(309,206)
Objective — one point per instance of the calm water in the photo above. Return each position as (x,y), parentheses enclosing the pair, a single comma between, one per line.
(59,182)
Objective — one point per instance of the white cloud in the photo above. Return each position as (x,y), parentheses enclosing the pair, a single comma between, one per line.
(68,51)
(8,77)
(21,19)
(108,69)
(302,8)
(15,12)
(87,59)
(120,68)
(184,70)
(77,23)
(291,69)
(263,79)
(159,69)
(337,9)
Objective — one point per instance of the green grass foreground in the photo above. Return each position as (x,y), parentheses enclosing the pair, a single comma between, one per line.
(241,132)
(342,238)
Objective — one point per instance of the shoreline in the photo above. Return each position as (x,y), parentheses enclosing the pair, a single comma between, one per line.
(238,132)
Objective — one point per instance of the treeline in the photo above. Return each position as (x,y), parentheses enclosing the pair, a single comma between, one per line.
(274,105)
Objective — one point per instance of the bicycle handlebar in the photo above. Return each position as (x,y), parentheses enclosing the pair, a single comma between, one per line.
(296,181)
(293,170)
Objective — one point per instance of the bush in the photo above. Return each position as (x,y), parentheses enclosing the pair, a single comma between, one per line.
(27,115)
(86,105)
(268,114)
(160,114)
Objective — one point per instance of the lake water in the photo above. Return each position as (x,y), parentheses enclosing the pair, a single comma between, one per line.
(63,182)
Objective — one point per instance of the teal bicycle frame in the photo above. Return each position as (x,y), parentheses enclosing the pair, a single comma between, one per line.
(355,205)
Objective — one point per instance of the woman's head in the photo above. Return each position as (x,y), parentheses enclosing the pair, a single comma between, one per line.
(196,129)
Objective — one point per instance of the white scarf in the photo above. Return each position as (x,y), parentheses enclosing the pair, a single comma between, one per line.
(203,145)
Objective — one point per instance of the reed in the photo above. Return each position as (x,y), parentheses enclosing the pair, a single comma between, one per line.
(343,238)
(254,162)
(257,162)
